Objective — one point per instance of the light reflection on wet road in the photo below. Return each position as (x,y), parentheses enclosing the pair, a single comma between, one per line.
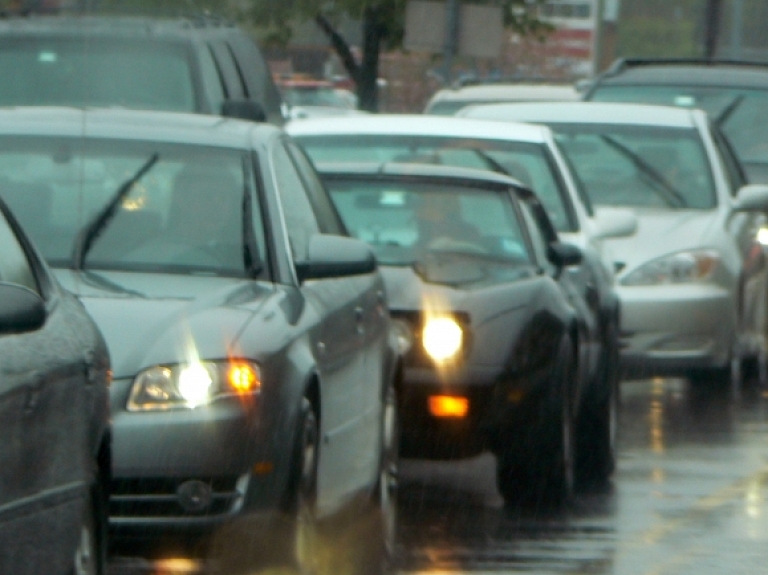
(689,497)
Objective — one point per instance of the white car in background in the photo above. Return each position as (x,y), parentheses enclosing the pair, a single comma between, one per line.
(529,154)
(448,101)
(692,281)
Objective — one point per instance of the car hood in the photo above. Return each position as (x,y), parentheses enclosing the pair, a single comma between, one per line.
(150,319)
(408,291)
(661,232)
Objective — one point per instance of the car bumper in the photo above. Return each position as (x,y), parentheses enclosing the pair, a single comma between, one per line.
(669,330)
(498,403)
(193,468)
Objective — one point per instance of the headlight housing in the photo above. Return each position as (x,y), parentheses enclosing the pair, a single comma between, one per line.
(192,384)
(442,338)
(403,335)
(692,266)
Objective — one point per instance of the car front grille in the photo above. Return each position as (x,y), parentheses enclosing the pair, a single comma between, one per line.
(160,497)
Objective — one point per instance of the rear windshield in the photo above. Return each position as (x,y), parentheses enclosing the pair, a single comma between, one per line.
(739,112)
(142,74)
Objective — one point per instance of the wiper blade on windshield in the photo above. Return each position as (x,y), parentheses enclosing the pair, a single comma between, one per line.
(668,192)
(728,111)
(90,233)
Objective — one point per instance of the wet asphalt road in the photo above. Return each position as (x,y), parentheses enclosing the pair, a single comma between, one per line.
(689,497)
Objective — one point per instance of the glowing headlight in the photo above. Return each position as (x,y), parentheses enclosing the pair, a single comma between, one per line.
(679,268)
(191,385)
(442,338)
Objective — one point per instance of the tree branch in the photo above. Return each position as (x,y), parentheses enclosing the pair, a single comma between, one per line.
(341,46)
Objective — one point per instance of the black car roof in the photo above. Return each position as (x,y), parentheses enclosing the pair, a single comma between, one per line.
(466,176)
(179,29)
(686,72)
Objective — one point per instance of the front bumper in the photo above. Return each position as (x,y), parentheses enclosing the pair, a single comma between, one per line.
(225,448)
(499,403)
(669,330)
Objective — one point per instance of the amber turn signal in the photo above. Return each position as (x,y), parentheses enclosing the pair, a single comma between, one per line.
(243,377)
(448,406)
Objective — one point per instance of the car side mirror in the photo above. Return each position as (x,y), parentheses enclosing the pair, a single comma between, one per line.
(332,256)
(564,255)
(613,222)
(244,110)
(752,198)
(21,309)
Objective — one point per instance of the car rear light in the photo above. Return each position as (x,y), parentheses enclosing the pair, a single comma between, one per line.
(448,406)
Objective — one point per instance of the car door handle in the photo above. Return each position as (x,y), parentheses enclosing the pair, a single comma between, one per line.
(33,395)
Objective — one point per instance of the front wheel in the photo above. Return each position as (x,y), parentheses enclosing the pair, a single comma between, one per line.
(90,554)
(386,489)
(538,467)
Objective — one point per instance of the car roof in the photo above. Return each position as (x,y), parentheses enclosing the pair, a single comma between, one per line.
(417,125)
(686,73)
(472,176)
(110,123)
(114,26)
(588,113)
(523,92)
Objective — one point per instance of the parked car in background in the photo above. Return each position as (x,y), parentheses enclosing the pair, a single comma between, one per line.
(245,332)
(484,313)
(186,64)
(734,94)
(448,101)
(55,442)
(529,154)
(692,281)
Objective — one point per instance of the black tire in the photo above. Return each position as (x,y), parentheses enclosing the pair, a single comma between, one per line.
(90,555)
(386,487)
(597,425)
(538,468)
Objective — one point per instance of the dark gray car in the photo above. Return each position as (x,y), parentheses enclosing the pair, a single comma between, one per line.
(253,370)
(54,409)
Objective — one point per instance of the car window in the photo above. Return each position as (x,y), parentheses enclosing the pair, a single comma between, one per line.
(733,170)
(257,76)
(406,221)
(538,238)
(142,74)
(528,162)
(640,166)
(14,266)
(212,83)
(327,217)
(299,215)
(739,112)
(229,70)
(184,215)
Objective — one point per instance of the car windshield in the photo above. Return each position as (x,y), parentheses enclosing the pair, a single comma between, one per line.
(529,163)
(410,222)
(314,96)
(184,214)
(740,112)
(639,166)
(94,72)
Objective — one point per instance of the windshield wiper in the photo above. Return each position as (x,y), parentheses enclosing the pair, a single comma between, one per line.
(728,111)
(90,233)
(668,192)
(251,258)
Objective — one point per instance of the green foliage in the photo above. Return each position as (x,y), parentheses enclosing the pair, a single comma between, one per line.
(657,37)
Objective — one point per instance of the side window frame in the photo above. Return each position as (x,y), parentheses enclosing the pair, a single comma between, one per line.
(325,211)
(36,268)
(731,165)
(230,74)
(534,217)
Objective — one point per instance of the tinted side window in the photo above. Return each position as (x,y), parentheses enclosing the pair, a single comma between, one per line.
(538,238)
(14,266)
(228,69)
(258,79)
(327,216)
(299,215)
(212,82)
